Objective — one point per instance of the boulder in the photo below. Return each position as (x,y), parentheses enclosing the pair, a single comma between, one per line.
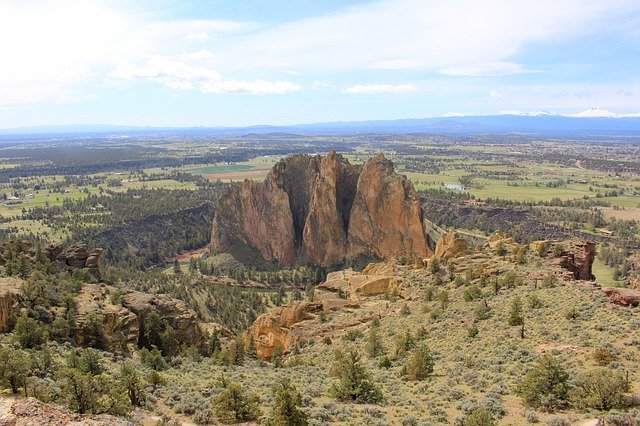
(322,210)
(11,302)
(276,328)
(623,296)
(450,246)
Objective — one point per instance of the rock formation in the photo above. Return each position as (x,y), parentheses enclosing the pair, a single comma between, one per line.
(76,256)
(623,296)
(451,245)
(355,285)
(323,210)
(183,320)
(124,323)
(120,324)
(574,255)
(287,325)
(276,328)
(10,302)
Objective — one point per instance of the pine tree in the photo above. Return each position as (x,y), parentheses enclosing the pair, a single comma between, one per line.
(234,405)
(354,383)
(515,314)
(420,364)
(285,411)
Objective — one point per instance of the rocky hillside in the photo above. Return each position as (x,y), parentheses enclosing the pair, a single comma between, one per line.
(323,210)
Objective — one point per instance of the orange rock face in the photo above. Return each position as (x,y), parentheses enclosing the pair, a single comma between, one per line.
(451,245)
(386,218)
(323,210)
(276,328)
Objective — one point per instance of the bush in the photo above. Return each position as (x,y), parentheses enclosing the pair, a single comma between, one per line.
(286,410)
(29,332)
(420,364)
(603,356)
(472,293)
(602,389)
(479,417)
(546,385)
(15,367)
(354,383)
(234,405)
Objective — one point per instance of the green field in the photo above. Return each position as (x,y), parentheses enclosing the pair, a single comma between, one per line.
(215,168)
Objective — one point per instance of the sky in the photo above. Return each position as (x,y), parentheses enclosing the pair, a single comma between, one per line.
(237,62)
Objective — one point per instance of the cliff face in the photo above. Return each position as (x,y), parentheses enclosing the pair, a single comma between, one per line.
(10,302)
(124,323)
(323,210)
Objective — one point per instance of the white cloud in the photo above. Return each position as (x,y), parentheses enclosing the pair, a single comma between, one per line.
(179,75)
(494,94)
(489,69)
(196,36)
(374,89)
(458,36)
(319,84)
(200,54)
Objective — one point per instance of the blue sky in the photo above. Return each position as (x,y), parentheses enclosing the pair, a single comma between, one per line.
(224,62)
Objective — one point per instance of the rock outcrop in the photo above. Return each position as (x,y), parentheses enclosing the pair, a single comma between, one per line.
(451,245)
(121,326)
(77,256)
(276,328)
(342,291)
(11,302)
(574,255)
(578,258)
(623,296)
(354,285)
(323,210)
(183,320)
(124,322)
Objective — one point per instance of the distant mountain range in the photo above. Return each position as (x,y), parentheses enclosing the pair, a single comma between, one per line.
(592,122)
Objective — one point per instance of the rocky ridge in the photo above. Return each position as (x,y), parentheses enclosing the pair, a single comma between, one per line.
(323,210)
(355,298)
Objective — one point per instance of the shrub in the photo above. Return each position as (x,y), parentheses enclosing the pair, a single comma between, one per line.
(603,356)
(15,367)
(374,346)
(404,343)
(420,364)
(602,389)
(354,383)
(479,417)
(482,311)
(472,330)
(546,385)
(472,293)
(234,405)
(353,335)
(132,383)
(286,410)
(29,332)
(276,356)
